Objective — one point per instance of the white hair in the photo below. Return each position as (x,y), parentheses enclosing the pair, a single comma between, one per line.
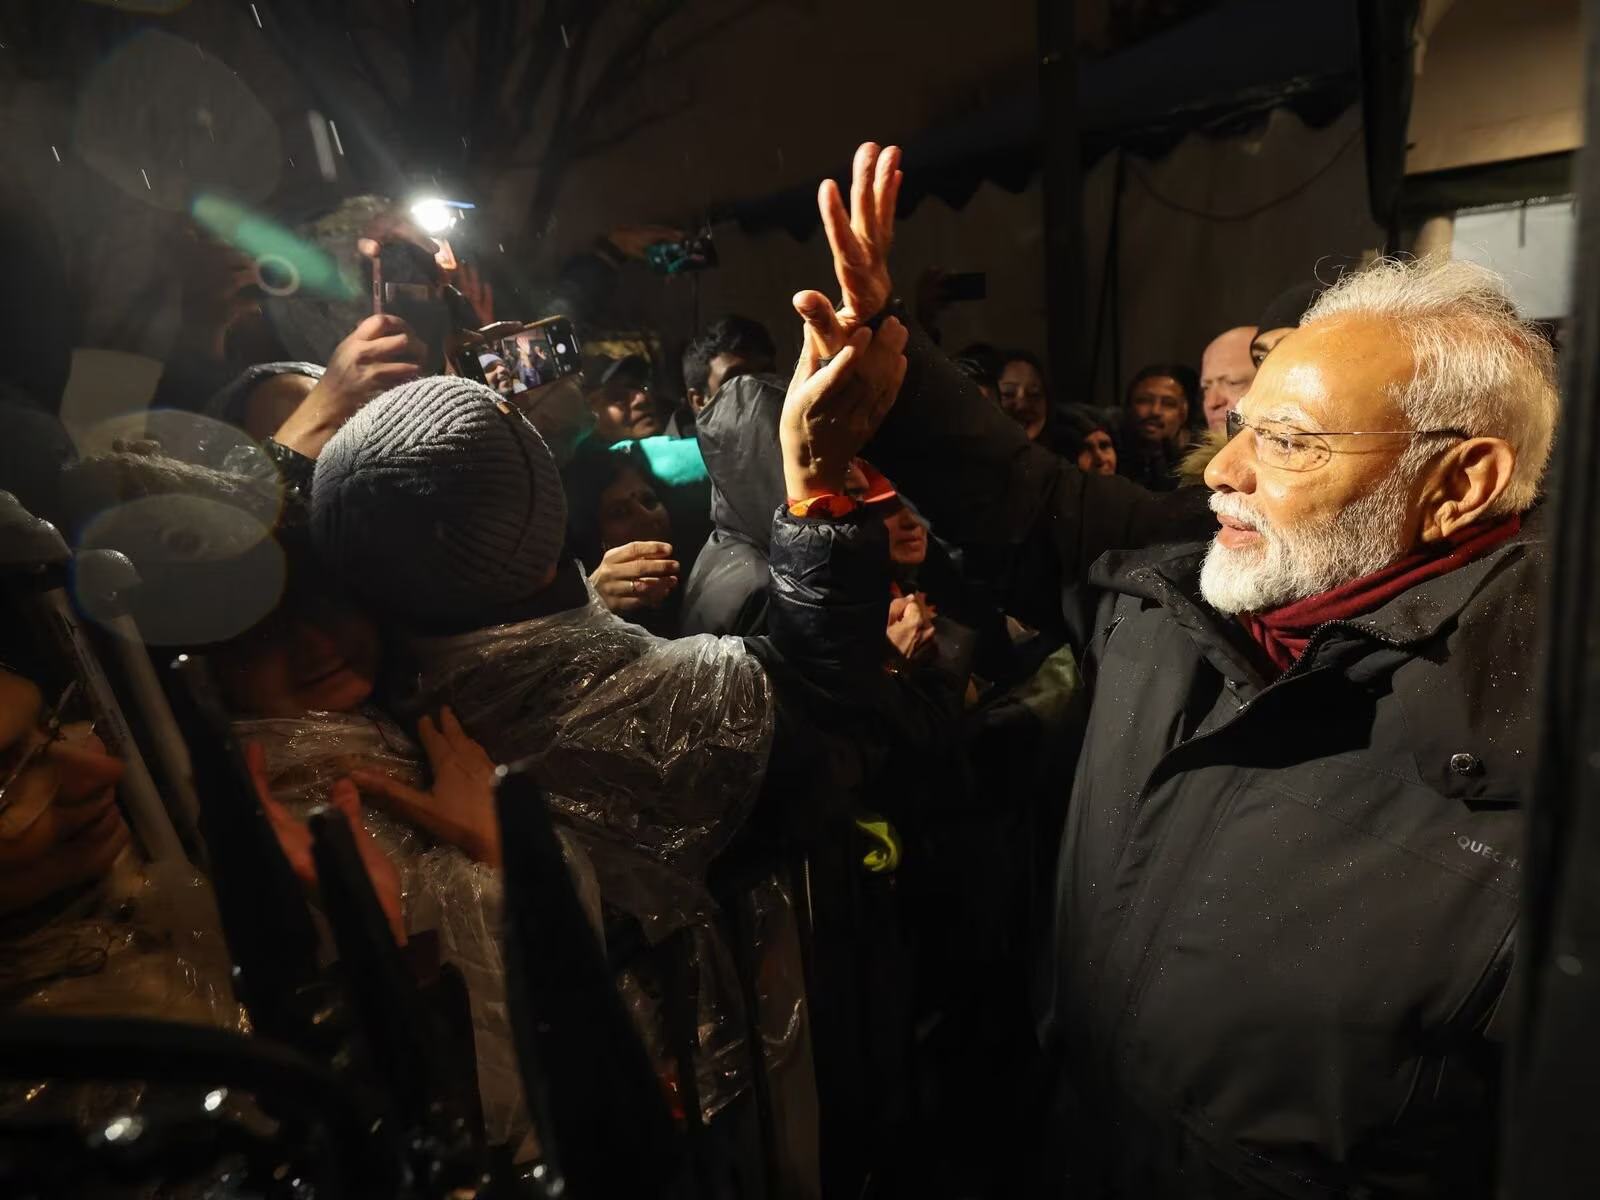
(1478,368)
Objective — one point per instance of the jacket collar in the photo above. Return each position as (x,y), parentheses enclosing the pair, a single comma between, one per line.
(1170,576)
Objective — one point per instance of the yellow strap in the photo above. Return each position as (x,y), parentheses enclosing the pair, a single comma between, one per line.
(885,855)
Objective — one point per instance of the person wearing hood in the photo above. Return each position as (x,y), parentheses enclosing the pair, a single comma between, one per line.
(726,592)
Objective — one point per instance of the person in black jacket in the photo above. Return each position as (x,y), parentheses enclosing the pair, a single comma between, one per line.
(1156,425)
(1288,885)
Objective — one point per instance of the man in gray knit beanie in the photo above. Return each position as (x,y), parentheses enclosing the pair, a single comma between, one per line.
(440,504)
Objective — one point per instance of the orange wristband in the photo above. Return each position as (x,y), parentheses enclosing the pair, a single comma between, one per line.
(827,506)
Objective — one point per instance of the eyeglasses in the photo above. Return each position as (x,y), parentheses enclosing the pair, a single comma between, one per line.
(52,730)
(1299,450)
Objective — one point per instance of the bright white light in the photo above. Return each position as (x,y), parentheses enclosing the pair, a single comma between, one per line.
(214,1100)
(115,1130)
(433,215)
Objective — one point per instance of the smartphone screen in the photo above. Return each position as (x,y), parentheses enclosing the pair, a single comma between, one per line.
(543,352)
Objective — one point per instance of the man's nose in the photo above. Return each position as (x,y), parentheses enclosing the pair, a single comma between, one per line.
(1233,468)
(84,767)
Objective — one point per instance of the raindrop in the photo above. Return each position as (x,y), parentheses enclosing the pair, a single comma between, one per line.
(56,152)
(322,144)
(256,15)
(565,40)
(337,144)
(146,179)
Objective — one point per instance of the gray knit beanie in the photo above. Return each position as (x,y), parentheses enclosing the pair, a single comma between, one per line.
(435,504)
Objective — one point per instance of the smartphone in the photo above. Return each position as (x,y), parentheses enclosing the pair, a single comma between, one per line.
(542,352)
(676,258)
(964,285)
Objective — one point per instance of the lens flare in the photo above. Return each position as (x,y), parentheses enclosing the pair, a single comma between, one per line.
(163,120)
(208,571)
(285,264)
(433,215)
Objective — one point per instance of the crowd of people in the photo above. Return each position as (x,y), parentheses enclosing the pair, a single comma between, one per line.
(1174,753)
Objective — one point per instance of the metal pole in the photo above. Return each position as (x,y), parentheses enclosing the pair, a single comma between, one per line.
(1066,306)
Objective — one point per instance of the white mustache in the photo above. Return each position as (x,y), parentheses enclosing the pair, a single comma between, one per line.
(1232,506)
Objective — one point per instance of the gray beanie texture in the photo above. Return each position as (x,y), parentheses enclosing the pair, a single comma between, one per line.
(433,503)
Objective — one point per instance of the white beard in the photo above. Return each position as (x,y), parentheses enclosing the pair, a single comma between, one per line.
(1363,537)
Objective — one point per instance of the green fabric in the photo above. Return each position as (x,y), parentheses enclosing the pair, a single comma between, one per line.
(675,461)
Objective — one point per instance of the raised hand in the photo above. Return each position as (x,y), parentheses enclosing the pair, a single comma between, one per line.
(460,807)
(834,406)
(382,352)
(862,237)
(294,838)
(638,575)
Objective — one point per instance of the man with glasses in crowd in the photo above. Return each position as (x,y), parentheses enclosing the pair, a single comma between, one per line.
(1289,881)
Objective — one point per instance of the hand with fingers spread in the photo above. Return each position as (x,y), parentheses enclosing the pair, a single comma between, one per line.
(459,809)
(860,239)
(833,407)
(636,576)
(382,352)
(294,837)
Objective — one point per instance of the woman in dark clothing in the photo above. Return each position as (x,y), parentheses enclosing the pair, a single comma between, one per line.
(618,526)
(1086,436)
(1024,395)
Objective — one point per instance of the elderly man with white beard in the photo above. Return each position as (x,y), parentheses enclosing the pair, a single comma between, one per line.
(1288,883)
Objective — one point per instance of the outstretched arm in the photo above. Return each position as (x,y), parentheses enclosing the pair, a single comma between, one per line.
(829,560)
(967,465)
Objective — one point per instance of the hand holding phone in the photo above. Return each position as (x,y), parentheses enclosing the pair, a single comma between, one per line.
(382,352)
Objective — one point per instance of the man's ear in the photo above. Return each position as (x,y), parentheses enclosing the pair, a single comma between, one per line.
(1465,485)
(697,400)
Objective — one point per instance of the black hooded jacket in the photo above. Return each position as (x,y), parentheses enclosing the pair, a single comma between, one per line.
(726,592)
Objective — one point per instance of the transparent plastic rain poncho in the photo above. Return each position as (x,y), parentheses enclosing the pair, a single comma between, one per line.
(653,752)
(441,888)
(145,942)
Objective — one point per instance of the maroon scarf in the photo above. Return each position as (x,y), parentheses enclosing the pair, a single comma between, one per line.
(1283,633)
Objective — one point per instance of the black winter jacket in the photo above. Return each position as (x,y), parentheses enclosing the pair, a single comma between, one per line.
(1029,522)
(1284,913)
(726,592)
